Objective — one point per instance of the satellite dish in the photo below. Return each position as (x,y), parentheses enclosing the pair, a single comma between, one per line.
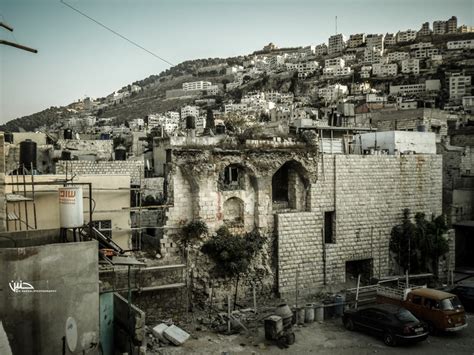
(71,334)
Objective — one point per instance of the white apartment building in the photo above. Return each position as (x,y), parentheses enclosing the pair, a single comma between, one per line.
(439,27)
(416,89)
(360,88)
(334,62)
(349,58)
(321,49)
(374,98)
(196,85)
(234,69)
(375,41)
(465,44)
(384,70)
(406,104)
(421,45)
(189,111)
(372,55)
(397,56)
(411,89)
(278,97)
(411,66)
(406,36)
(425,29)
(275,61)
(235,108)
(365,71)
(459,86)
(337,71)
(424,53)
(390,39)
(212,90)
(333,93)
(356,40)
(336,44)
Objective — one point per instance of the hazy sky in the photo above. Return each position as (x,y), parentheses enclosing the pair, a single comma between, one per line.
(78,58)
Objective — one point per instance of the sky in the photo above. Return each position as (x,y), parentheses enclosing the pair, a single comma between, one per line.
(77,58)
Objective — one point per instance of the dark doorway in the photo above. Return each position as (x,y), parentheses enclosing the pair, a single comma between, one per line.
(356,267)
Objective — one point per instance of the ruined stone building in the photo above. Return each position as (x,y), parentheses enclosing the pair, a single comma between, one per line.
(329,215)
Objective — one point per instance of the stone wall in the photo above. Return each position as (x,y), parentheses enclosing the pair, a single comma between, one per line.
(368,194)
(101,149)
(3,205)
(118,167)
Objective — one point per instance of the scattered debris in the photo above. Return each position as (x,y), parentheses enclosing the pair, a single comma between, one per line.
(176,335)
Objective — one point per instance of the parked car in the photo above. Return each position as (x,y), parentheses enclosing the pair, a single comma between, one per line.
(465,293)
(441,311)
(394,323)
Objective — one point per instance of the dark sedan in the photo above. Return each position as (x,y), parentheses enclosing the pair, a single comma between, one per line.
(395,324)
(465,293)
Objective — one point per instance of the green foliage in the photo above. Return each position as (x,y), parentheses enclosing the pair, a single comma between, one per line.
(192,232)
(232,254)
(419,245)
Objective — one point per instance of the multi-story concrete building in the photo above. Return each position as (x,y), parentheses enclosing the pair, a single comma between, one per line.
(390,39)
(465,29)
(461,44)
(425,29)
(397,56)
(416,89)
(411,66)
(439,27)
(196,85)
(336,44)
(406,36)
(321,49)
(333,93)
(459,86)
(365,71)
(304,69)
(375,41)
(337,71)
(452,25)
(334,62)
(424,53)
(421,45)
(384,70)
(372,55)
(356,40)
(189,111)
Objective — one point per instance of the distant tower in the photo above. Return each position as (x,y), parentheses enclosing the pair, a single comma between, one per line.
(336,24)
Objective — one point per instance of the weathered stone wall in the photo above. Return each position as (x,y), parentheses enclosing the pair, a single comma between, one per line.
(3,203)
(101,149)
(368,194)
(134,168)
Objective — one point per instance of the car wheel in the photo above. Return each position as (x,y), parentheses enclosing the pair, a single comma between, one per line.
(349,324)
(389,339)
(291,338)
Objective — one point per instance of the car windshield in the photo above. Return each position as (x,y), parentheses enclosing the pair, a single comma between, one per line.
(450,304)
(405,316)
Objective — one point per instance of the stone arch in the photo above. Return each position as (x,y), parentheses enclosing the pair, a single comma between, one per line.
(234,211)
(291,187)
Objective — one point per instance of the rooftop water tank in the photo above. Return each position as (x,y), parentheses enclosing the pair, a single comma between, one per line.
(68,133)
(71,214)
(120,153)
(28,153)
(8,137)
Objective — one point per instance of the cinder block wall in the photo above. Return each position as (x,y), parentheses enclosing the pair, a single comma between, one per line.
(368,194)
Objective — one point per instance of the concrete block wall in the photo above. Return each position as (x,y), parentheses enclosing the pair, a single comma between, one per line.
(133,168)
(368,194)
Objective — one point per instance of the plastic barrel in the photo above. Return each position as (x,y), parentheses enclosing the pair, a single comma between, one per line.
(339,307)
(309,313)
(319,312)
(301,315)
(328,310)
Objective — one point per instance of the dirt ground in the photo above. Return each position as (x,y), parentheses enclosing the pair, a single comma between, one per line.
(328,337)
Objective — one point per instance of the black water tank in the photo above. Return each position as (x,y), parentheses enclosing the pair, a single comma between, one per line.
(65,155)
(190,122)
(104,136)
(68,133)
(28,153)
(120,153)
(220,129)
(8,137)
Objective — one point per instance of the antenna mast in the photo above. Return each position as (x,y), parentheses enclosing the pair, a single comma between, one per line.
(336,24)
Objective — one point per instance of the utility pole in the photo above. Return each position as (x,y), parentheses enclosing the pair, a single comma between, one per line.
(12,44)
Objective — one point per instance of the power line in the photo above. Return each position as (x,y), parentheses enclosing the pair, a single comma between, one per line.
(116,33)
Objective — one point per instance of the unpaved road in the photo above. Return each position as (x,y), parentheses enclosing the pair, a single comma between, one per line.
(329,337)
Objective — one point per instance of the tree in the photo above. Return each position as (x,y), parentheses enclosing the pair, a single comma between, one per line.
(418,246)
(232,254)
(210,123)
